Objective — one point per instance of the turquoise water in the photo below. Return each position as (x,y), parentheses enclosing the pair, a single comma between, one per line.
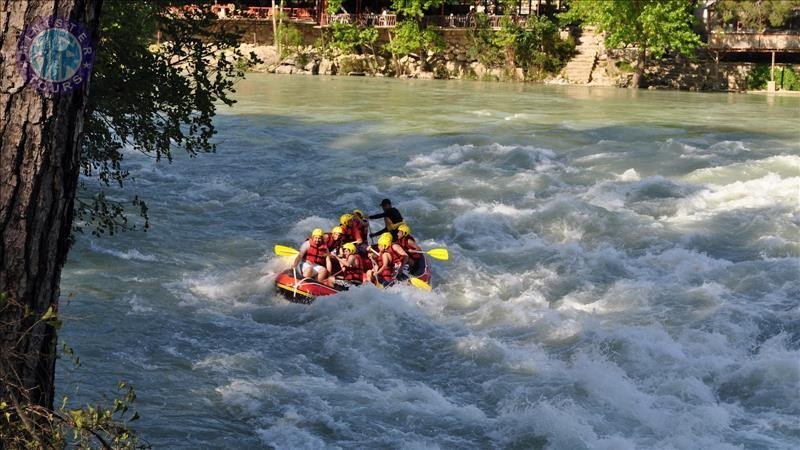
(623,274)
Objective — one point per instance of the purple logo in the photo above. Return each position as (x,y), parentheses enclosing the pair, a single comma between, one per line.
(55,55)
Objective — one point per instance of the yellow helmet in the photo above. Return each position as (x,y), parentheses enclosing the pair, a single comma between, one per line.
(385,240)
(349,246)
(317,232)
(404,228)
(358,212)
(345,219)
(337,230)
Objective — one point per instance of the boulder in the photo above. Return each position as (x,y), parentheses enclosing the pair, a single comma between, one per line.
(285,69)
(326,67)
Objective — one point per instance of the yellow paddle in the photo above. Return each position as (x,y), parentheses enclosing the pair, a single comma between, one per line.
(419,284)
(282,250)
(438,253)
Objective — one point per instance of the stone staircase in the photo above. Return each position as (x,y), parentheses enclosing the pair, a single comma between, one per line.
(590,47)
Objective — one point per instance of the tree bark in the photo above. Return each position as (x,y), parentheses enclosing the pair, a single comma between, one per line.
(638,71)
(275,37)
(39,168)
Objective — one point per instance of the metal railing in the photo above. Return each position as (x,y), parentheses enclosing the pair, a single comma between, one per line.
(369,20)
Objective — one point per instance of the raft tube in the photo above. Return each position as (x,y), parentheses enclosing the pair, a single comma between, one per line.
(305,290)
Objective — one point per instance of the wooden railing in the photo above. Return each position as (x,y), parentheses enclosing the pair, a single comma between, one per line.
(742,41)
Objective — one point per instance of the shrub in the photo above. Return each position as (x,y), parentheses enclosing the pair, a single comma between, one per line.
(349,38)
(409,38)
(785,78)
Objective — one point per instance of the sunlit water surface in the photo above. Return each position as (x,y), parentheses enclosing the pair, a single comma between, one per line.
(624,273)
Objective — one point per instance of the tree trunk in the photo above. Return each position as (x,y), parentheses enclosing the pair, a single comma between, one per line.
(638,71)
(280,31)
(39,167)
(275,38)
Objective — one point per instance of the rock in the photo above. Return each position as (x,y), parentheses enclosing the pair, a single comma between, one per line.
(479,69)
(284,69)
(326,67)
(452,68)
(425,76)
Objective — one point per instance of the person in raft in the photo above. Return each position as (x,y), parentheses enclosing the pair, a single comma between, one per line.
(352,265)
(391,217)
(407,242)
(390,258)
(351,229)
(334,240)
(363,223)
(313,254)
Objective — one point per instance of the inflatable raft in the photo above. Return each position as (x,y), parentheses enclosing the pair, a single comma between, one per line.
(297,289)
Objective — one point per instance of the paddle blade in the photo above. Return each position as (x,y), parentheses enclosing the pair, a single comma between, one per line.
(439,253)
(282,250)
(419,284)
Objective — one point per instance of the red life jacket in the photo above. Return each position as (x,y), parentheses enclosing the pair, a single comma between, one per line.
(355,273)
(332,244)
(316,255)
(404,243)
(352,232)
(388,273)
(347,234)
(364,229)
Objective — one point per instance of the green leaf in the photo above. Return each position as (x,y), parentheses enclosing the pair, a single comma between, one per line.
(49,314)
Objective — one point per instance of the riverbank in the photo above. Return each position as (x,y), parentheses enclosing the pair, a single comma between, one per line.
(611,68)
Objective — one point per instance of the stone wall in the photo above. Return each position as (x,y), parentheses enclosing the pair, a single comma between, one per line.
(702,73)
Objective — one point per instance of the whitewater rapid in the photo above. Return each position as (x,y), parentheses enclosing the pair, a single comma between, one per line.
(624,273)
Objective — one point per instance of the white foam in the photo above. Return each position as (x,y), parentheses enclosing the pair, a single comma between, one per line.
(130,254)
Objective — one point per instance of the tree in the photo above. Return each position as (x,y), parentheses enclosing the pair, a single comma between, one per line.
(652,26)
(39,166)
(758,14)
(152,98)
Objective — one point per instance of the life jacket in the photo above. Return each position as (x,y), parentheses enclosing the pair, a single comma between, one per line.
(355,273)
(364,227)
(388,273)
(332,244)
(347,232)
(316,255)
(352,232)
(404,243)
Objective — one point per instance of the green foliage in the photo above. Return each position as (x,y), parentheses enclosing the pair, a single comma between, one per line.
(24,424)
(334,6)
(785,78)
(536,47)
(757,15)
(349,38)
(410,38)
(483,46)
(655,25)
(150,98)
(291,38)
(624,66)
(415,9)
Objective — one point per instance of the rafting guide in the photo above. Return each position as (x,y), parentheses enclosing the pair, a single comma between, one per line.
(55,55)
(328,263)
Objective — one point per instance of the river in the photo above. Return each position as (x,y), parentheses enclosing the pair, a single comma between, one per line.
(624,273)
